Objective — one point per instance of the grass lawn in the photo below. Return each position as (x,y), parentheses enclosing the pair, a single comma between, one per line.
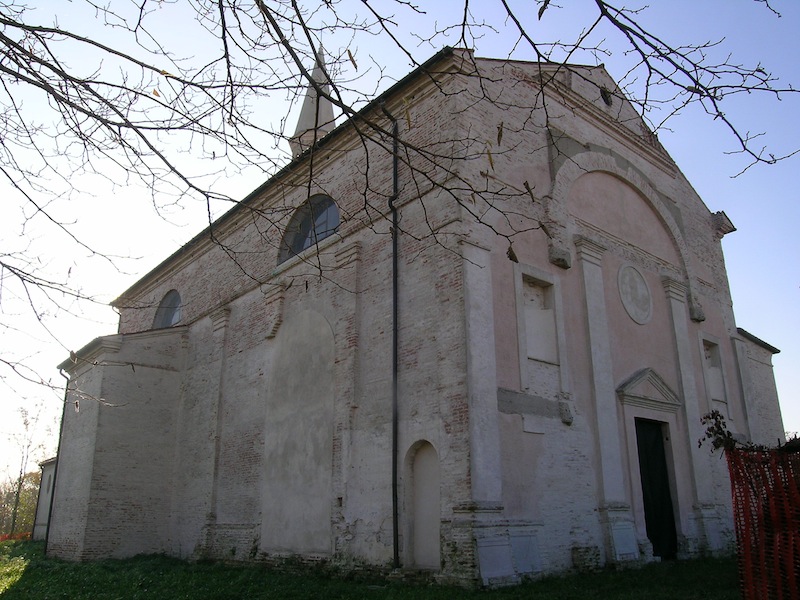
(26,573)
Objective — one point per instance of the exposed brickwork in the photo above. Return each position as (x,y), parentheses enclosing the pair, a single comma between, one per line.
(189,444)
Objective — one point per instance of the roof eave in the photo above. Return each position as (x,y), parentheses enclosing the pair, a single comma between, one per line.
(118,302)
(758,341)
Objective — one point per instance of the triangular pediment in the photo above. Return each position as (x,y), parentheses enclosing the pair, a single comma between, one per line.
(648,389)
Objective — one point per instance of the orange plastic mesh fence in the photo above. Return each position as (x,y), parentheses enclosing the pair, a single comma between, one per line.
(766,511)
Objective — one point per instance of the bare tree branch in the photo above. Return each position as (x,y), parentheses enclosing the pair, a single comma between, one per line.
(182,108)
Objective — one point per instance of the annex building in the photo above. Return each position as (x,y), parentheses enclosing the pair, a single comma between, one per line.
(472,329)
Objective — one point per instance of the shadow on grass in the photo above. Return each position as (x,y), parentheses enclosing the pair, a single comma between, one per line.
(26,573)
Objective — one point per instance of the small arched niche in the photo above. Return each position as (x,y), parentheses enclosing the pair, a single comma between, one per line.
(169,311)
(423,507)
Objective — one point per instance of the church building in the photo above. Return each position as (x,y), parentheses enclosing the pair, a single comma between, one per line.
(470,329)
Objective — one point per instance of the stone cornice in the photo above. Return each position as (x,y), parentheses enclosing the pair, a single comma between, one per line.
(589,250)
(220,318)
(351,253)
(675,289)
(89,355)
(273,301)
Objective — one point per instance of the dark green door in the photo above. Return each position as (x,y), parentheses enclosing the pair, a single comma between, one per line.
(658,513)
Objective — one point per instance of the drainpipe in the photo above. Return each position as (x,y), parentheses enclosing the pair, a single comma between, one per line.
(55,468)
(393,209)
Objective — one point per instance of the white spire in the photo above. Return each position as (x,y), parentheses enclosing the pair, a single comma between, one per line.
(316,112)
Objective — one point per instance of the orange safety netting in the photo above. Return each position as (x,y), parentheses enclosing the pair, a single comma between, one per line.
(766,511)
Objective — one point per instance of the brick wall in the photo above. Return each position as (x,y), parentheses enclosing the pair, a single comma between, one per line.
(483,167)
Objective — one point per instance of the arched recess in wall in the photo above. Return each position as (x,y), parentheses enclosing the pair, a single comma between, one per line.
(169,311)
(423,509)
(587,162)
(298,437)
(608,203)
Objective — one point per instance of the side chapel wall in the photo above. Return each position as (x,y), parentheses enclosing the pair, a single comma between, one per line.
(114,477)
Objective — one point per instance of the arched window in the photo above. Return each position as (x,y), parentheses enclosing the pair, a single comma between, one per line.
(169,311)
(315,220)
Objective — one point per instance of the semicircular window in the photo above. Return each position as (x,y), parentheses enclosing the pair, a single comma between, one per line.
(315,220)
(169,311)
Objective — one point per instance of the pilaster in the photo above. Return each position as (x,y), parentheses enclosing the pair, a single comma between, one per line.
(219,329)
(615,511)
(740,353)
(483,515)
(705,516)
(485,464)
(347,306)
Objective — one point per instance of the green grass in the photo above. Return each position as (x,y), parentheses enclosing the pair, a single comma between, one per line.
(26,573)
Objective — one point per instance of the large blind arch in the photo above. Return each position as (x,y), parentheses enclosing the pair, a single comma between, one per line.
(315,220)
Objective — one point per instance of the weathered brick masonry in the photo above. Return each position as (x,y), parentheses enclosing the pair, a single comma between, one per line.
(564,319)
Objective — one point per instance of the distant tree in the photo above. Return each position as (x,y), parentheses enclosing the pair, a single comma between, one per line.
(18,504)
(19,494)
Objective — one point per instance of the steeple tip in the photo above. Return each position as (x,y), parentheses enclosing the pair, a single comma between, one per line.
(316,118)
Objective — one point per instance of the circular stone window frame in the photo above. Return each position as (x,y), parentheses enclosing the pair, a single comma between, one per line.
(633,307)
